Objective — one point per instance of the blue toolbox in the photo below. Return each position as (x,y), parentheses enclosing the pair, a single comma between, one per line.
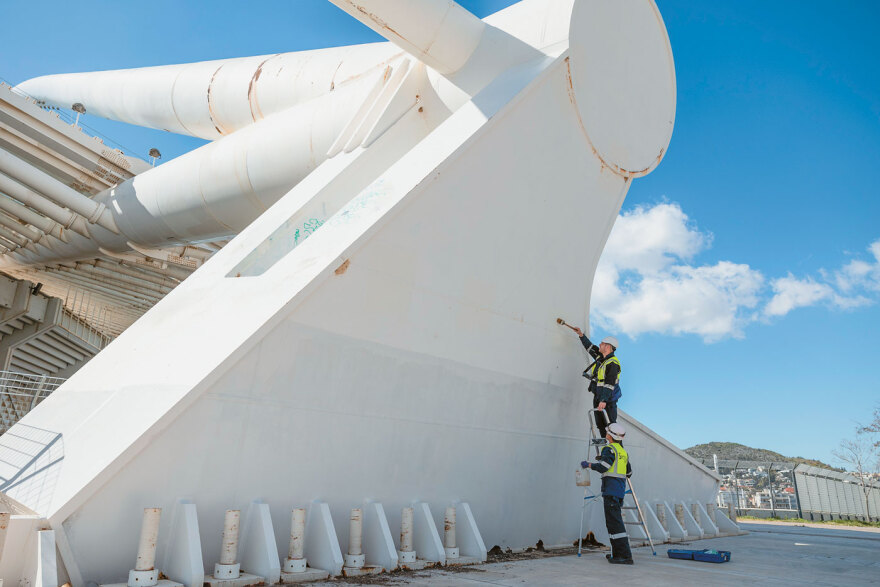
(706,556)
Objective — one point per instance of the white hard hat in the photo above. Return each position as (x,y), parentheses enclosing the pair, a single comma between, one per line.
(617,431)
(611,340)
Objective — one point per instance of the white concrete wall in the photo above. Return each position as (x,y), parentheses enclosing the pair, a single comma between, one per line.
(407,350)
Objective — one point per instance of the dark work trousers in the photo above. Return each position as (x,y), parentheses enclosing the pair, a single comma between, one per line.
(611,410)
(616,527)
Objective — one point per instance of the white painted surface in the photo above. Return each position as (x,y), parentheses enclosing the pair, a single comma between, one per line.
(183,554)
(4,527)
(417,323)
(705,520)
(297,533)
(691,525)
(46,560)
(449,528)
(356,531)
(259,551)
(322,545)
(241,91)
(655,528)
(20,548)
(724,524)
(624,79)
(406,529)
(425,536)
(146,553)
(469,540)
(674,528)
(378,542)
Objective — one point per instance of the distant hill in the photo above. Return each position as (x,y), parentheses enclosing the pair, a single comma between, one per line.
(739,452)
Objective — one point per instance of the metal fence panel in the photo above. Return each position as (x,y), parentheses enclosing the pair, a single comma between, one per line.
(824,499)
(835,488)
(852,500)
(813,490)
(875,503)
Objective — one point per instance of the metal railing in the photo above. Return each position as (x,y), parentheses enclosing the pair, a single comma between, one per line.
(22,392)
(756,486)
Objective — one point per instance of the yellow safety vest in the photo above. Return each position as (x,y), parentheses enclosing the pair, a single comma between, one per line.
(618,467)
(600,375)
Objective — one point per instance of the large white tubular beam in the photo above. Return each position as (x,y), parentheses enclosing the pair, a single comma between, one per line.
(210,99)
(446,37)
(440,33)
(62,195)
(217,190)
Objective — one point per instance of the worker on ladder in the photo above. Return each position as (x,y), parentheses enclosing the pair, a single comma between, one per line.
(613,464)
(604,375)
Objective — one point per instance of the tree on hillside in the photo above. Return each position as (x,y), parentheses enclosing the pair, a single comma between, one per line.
(862,454)
(874,427)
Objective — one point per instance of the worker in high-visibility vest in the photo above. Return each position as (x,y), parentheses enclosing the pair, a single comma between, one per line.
(613,464)
(604,375)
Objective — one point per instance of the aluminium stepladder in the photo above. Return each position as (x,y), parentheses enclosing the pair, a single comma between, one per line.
(593,441)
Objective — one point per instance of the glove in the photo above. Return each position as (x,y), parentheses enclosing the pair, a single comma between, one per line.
(585,465)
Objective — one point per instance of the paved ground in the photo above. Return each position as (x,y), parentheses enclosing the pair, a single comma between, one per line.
(772,554)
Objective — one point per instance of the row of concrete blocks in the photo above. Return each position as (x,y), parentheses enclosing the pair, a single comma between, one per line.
(679,522)
(251,557)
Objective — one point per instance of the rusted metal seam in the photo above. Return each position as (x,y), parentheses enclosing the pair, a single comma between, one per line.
(617,170)
(210,104)
(252,89)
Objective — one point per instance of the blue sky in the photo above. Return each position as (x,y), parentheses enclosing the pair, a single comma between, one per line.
(752,313)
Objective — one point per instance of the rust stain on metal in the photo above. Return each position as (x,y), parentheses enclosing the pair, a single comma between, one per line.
(333,77)
(210,104)
(256,113)
(342,268)
(380,22)
(625,173)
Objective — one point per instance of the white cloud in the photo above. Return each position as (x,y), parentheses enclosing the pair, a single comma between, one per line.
(860,275)
(646,282)
(790,293)
(643,285)
(650,239)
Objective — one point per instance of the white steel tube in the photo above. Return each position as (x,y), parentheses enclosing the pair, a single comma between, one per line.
(25,231)
(297,534)
(4,525)
(29,197)
(210,99)
(43,183)
(406,530)
(220,188)
(356,532)
(440,33)
(146,555)
(444,36)
(229,547)
(449,526)
(25,214)
(13,237)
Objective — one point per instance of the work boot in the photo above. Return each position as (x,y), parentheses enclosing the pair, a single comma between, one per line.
(598,441)
(619,561)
